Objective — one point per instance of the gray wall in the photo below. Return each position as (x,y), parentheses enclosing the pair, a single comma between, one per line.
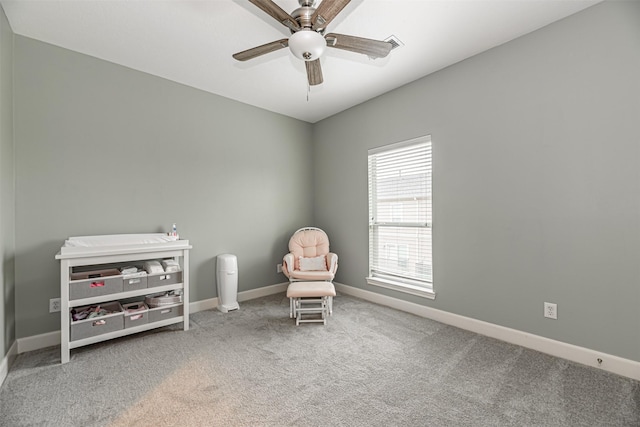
(536,180)
(103,149)
(7,194)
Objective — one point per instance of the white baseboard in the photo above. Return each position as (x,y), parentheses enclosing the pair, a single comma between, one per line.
(5,364)
(614,364)
(212,303)
(262,292)
(51,339)
(585,356)
(36,342)
(205,304)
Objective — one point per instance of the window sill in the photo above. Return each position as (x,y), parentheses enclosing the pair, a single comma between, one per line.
(402,287)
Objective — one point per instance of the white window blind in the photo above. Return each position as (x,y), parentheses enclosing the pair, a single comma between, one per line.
(400,214)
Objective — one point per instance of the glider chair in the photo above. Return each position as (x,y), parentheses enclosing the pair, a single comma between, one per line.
(310,267)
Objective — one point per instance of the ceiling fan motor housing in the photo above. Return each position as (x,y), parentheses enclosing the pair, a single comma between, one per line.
(303,14)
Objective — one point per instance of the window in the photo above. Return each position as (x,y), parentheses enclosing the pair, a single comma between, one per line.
(400,217)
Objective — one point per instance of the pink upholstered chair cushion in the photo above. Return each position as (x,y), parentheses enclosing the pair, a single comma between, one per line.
(308,244)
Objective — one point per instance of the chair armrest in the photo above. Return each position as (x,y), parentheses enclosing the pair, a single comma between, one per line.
(332,262)
(288,264)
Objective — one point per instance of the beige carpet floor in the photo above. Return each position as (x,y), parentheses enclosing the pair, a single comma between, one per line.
(369,366)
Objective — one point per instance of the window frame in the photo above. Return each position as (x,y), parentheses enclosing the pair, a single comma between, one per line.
(422,288)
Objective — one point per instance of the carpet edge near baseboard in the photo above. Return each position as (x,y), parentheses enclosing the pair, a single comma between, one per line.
(50,339)
(5,363)
(585,356)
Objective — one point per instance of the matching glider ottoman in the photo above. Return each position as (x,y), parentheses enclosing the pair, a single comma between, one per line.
(310,301)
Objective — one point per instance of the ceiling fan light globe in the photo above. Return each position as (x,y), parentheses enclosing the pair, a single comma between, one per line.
(307,45)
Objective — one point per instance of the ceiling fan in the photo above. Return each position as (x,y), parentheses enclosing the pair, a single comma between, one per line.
(308,41)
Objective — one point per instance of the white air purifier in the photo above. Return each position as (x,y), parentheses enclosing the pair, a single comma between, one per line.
(227,280)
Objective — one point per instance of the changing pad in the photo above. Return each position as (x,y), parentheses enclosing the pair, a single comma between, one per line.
(117,243)
(118,239)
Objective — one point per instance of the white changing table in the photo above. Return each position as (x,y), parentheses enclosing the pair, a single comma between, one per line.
(112,253)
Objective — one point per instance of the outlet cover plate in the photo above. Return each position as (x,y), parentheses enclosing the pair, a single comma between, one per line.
(54,305)
(550,310)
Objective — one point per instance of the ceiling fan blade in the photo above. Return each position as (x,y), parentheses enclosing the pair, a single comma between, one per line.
(314,72)
(326,11)
(369,47)
(276,12)
(261,50)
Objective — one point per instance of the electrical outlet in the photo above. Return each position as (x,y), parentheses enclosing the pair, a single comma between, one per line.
(550,310)
(54,305)
(279,268)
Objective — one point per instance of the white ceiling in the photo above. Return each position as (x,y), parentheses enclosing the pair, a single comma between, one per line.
(191,42)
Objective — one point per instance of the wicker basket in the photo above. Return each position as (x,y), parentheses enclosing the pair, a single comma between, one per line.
(162,300)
